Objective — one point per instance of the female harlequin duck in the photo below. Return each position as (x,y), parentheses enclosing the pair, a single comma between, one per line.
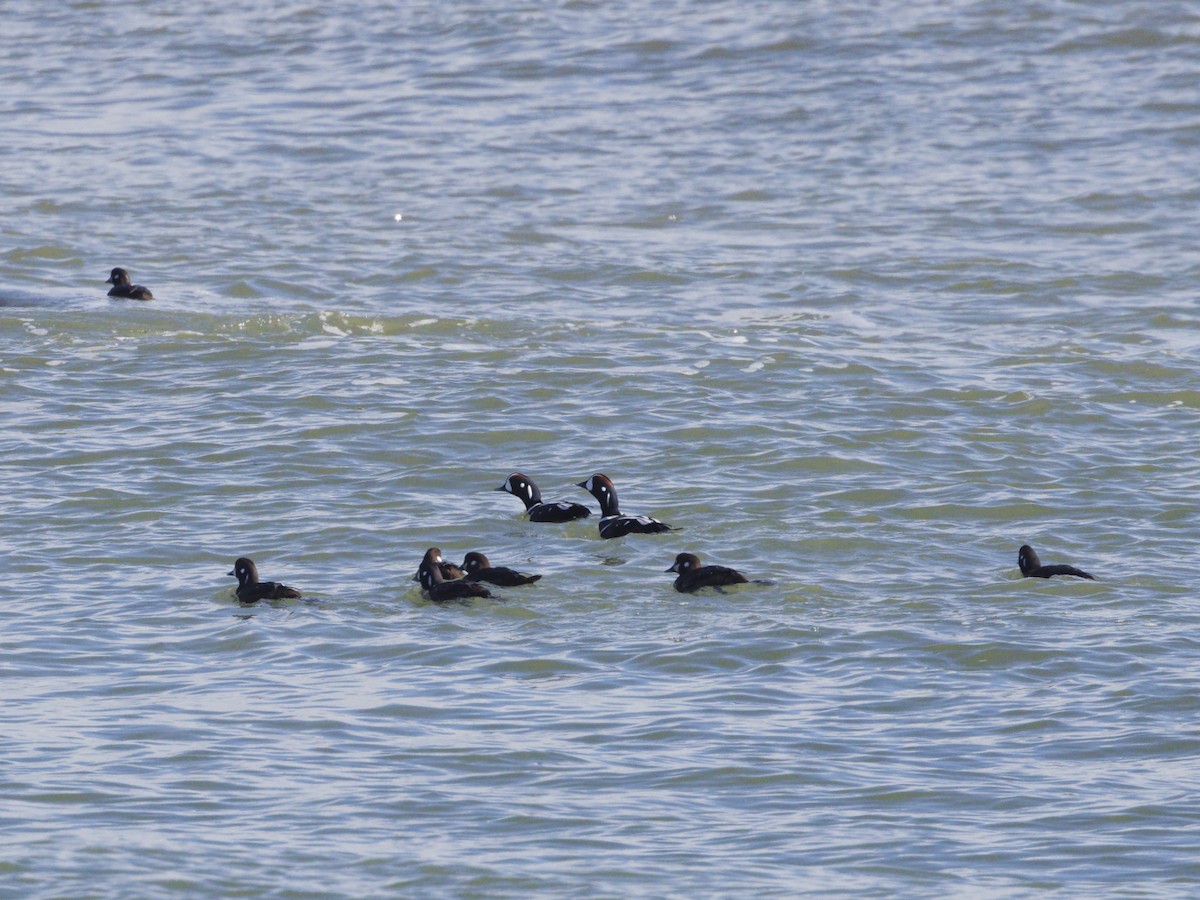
(1031,566)
(440,590)
(612,523)
(526,491)
(478,568)
(251,590)
(123,287)
(693,576)
(450,572)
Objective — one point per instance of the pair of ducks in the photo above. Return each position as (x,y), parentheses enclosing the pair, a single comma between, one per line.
(613,524)
(443,580)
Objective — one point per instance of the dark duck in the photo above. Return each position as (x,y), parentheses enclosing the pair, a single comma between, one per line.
(478,568)
(1031,566)
(693,576)
(251,590)
(538,510)
(450,572)
(612,523)
(438,588)
(123,287)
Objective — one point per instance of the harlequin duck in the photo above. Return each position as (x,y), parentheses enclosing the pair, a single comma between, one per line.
(123,287)
(612,523)
(251,590)
(1031,566)
(450,572)
(440,590)
(693,576)
(526,491)
(478,568)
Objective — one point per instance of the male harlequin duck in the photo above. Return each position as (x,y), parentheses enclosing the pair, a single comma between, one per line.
(123,287)
(693,576)
(612,523)
(251,590)
(1031,566)
(526,491)
(478,568)
(440,590)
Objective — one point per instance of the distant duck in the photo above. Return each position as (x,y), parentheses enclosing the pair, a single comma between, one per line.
(478,568)
(1031,566)
(440,590)
(693,576)
(612,523)
(251,590)
(527,492)
(123,287)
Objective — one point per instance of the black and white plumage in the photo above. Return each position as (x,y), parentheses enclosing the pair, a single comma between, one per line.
(123,287)
(612,523)
(693,576)
(251,590)
(440,590)
(539,511)
(478,568)
(1031,566)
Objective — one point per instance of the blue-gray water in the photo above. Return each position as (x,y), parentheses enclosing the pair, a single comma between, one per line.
(860,297)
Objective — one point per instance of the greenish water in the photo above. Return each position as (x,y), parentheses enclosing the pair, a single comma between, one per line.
(858,302)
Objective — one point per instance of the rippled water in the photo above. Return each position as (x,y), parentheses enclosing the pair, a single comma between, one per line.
(859,298)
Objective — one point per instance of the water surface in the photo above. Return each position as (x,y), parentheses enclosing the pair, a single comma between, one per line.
(858,298)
